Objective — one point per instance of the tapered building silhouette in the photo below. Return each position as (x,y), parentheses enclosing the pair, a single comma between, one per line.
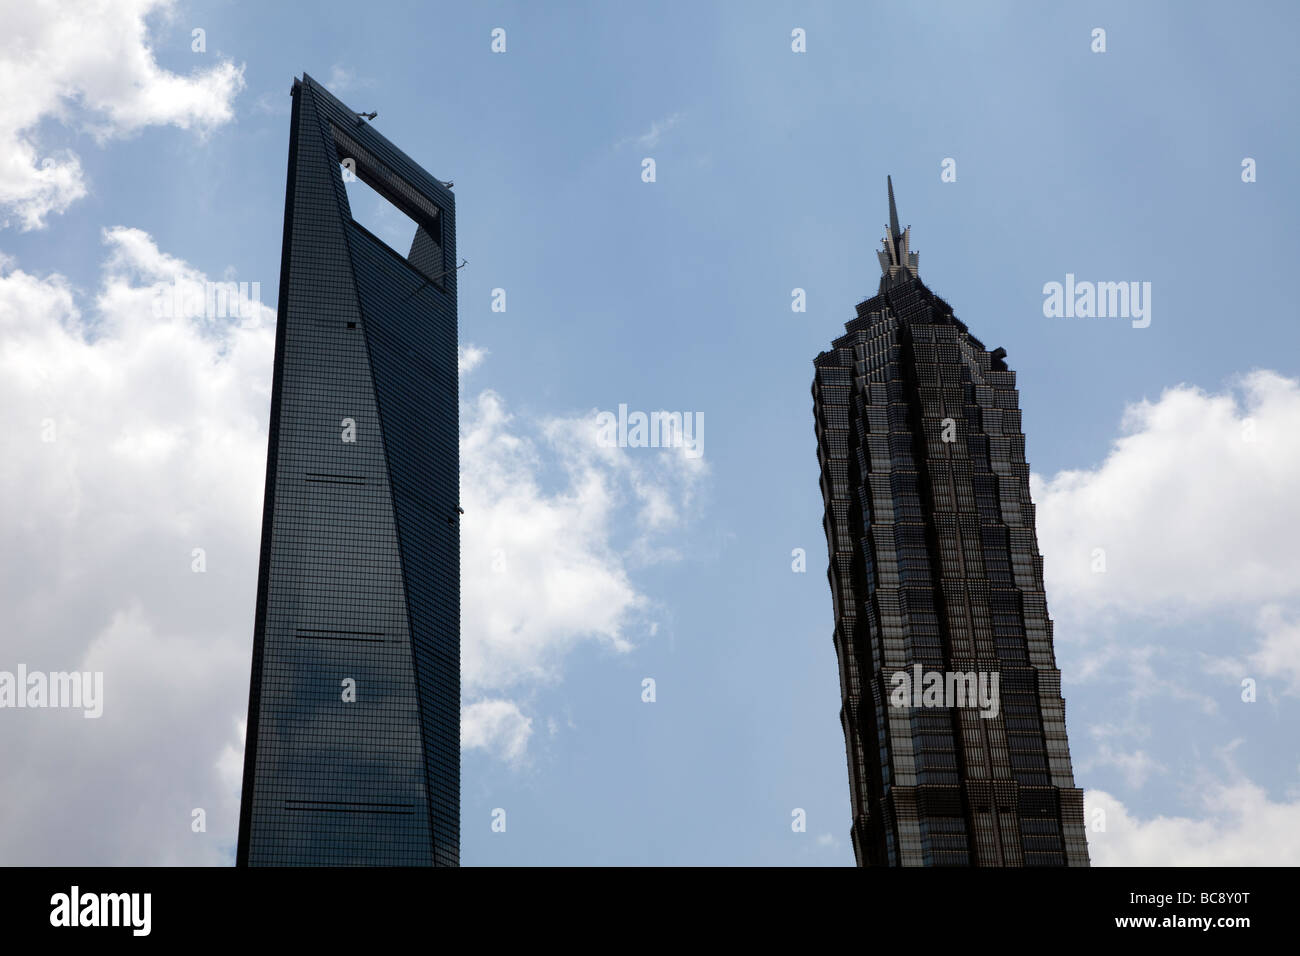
(935,569)
(352,751)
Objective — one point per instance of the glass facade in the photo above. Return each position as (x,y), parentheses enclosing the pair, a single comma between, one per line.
(352,753)
(934,567)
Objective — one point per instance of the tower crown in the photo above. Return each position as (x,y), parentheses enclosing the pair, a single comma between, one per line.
(896,257)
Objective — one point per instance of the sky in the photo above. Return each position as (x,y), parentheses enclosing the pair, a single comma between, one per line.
(134,152)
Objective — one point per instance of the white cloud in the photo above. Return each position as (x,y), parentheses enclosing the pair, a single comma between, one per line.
(93,69)
(541,570)
(1191,512)
(651,137)
(1136,767)
(1241,826)
(342,79)
(497,726)
(663,481)
(158,448)
(1196,512)
(468,358)
(1278,653)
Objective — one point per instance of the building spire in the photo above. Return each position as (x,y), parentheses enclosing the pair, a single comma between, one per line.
(896,257)
(893,210)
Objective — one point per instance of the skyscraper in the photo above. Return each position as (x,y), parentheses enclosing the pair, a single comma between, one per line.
(352,751)
(937,587)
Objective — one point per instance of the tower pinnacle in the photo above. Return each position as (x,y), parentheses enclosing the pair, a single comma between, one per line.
(893,210)
(896,256)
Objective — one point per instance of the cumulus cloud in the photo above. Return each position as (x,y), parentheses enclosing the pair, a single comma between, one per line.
(91,69)
(1194,507)
(544,569)
(1278,652)
(135,440)
(1240,826)
(497,726)
(1194,511)
(540,573)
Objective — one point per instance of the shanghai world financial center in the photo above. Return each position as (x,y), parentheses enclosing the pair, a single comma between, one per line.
(353,740)
(353,743)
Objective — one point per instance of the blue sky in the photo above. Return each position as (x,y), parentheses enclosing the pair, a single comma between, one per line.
(770,176)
